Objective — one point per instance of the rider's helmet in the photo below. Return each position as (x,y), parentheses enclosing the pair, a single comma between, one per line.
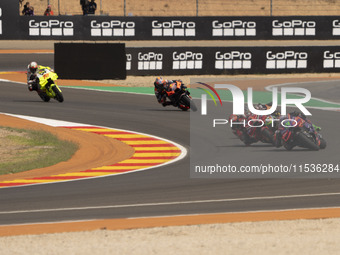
(259,107)
(269,120)
(298,114)
(159,81)
(33,66)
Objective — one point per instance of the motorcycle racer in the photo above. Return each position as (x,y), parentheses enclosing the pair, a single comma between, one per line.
(165,88)
(32,70)
(283,134)
(251,132)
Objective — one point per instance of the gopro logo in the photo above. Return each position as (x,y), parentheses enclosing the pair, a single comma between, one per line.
(331,60)
(286,60)
(187,60)
(293,28)
(234,28)
(336,27)
(173,28)
(233,60)
(150,61)
(128,61)
(51,28)
(112,28)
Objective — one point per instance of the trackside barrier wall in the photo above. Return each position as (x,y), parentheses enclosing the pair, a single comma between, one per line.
(16,27)
(232,60)
(92,61)
(179,28)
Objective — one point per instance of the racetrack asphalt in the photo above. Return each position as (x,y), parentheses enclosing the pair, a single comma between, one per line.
(167,190)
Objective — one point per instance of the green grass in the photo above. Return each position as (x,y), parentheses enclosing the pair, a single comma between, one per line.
(25,149)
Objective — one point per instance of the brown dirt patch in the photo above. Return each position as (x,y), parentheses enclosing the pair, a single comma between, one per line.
(94,150)
(305,237)
(25,51)
(9,149)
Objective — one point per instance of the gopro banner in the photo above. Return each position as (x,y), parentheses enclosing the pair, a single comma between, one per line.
(177,28)
(232,60)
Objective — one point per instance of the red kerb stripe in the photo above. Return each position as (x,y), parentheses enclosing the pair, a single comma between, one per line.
(169,157)
(158,151)
(135,164)
(60,177)
(15,184)
(137,139)
(153,145)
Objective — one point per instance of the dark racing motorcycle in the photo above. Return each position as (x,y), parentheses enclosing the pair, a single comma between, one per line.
(304,134)
(256,127)
(180,97)
(267,131)
(240,130)
(262,129)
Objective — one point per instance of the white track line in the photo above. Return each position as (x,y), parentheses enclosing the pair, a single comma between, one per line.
(171,203)
(174,215)
(18,82)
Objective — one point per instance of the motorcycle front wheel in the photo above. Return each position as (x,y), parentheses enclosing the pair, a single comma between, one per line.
(44,96)
(188,102)
(58,96)
(306,142)
(269,137)
(288,146)
(323,143)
